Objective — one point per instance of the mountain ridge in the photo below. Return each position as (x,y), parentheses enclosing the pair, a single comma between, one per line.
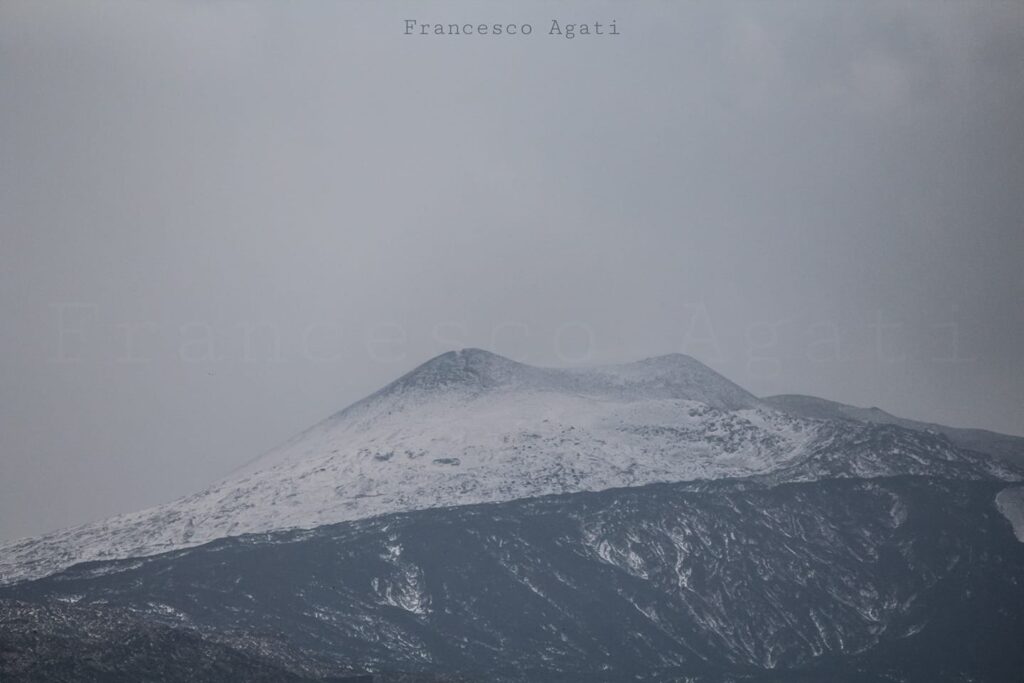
(674,375)
(1004,446)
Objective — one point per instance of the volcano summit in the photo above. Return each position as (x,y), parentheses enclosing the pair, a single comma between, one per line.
(473,427)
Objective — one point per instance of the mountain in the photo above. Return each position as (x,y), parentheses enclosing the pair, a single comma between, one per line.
(471,427)
(674,376)
(480,519)
(1003,446)
(894,579)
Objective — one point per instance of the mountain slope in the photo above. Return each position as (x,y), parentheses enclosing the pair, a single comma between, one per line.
(1003,446)
(471,427)
(899,579)
(56,641)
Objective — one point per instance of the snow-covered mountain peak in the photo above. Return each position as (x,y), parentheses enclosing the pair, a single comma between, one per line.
(468,373)
(471,426)
(675,376)
(467,369)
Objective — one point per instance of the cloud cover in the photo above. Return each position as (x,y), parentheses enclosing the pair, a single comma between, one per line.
(221,221)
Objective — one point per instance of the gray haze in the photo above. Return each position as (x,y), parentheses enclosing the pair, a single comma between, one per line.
(814,198)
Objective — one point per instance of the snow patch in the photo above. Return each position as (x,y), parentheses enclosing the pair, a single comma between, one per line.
(1010,503)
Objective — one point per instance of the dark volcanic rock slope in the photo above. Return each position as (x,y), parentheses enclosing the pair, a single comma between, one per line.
(904,578)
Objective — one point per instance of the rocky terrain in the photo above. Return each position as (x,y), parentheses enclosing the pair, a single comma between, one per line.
(843,579)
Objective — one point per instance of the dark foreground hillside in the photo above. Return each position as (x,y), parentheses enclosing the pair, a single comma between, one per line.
(896,579)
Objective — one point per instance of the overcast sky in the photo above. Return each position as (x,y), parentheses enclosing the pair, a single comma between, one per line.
(221,221)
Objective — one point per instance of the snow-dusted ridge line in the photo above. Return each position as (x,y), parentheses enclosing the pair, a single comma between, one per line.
(1006,447)
(472,427)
